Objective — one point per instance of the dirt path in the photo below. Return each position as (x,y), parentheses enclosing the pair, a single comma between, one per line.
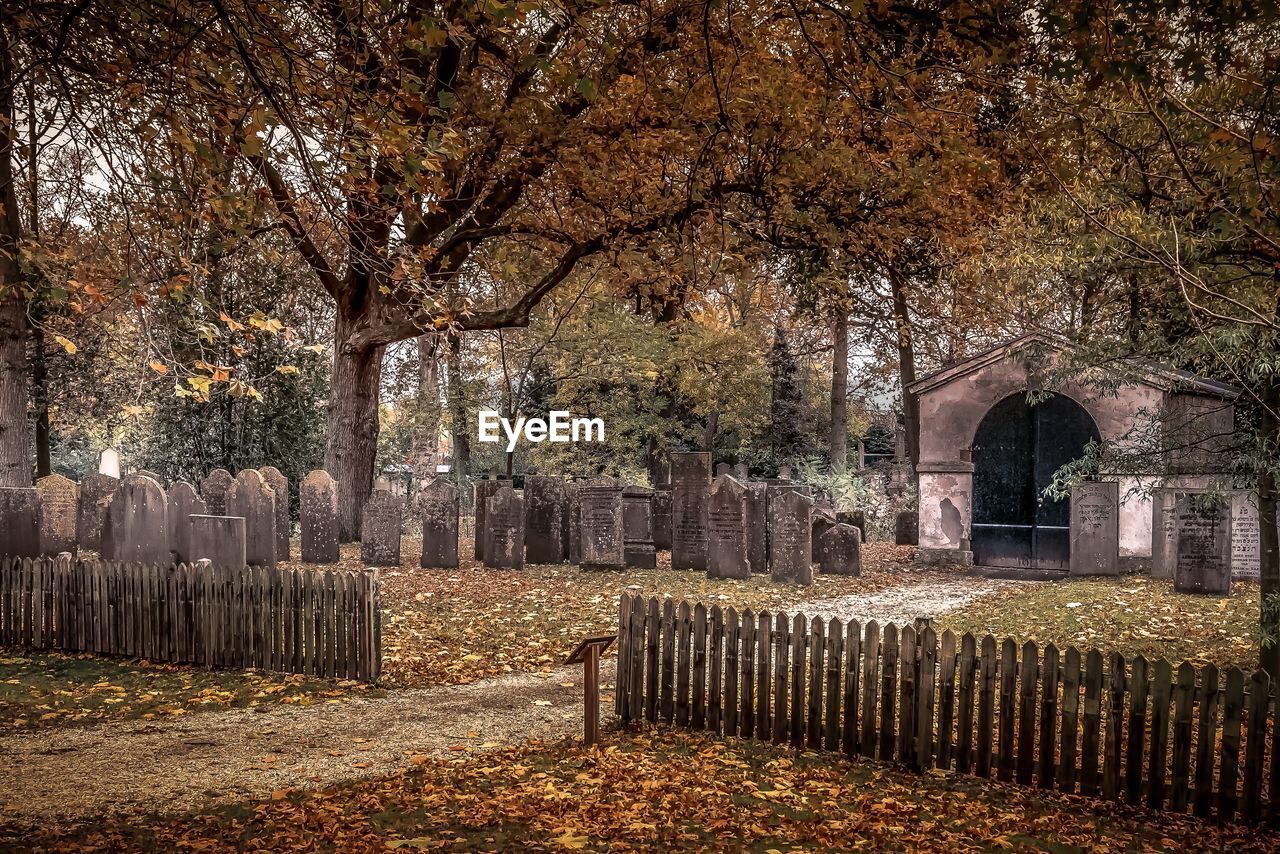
(218,757)
(902,604)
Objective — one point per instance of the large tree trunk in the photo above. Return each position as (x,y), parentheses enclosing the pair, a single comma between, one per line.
(352,442)
(906,367)
(15,446)
(426,426)
(458,410)
(840,393)
(1268,537)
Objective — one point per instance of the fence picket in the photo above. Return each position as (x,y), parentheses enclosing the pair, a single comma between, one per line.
(870,686)
(1089,743)
(908,672)
(1136,748)
(1180,770)
(715,675)
(781,673)
(668,630)
(732,642)
(764,663)
(699,712)
(1255,745)
(817,672)
(888,693)
(652,663)
(1206,741)
(1229,770)
(1115,727)
(946,700)
(1027,679)
(835,686)
(849,735)
(1048,716)
(986,707)
(684,645)
(746,676)
(1161,679)
(1008,709)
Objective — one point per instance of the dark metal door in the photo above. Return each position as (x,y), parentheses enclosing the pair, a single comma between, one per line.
(1015,453)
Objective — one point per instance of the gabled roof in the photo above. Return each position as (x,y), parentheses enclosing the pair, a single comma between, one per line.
(1164,377)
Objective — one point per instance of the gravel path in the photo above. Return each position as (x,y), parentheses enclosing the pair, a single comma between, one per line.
(902,604)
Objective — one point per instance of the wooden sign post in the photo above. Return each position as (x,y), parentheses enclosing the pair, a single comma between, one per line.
(588,652)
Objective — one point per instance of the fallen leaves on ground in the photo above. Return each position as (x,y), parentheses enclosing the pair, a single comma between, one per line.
(666,790)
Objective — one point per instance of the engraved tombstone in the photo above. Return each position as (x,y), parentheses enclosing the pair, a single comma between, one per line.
(856,518)
(824,519)
(1164,539)
(637,527)
(252,498)
(790,537)
(59,508)
(661,513)
(723,469)
(438,502)
(484,490)
(544,519)
(757,527)
(136,525)
(603,535)
(690,482)
(740,473)
(284,526)
(727,529)
(318,517)
(183,504)
(19,522)
(1095,529)
(504,529)
(840,551)
(95,495)
(219,540)
(1202,557)
(380,529)
(214,489)
(1246,541)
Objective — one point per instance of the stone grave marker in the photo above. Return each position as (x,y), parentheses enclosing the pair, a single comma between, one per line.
(784,472)
(59,509)
(740,473)
(253,499)
(318,517)
(484,490)
(136,526)
(183,504)
(637,527)
(824,519)
(690,482)
(504,529)
(1164,540)
(906,528)
(380,529)
(219,540)
(1095,529)
(544,508)
(109,463)
(95,495)
(790,537)
(661,512)
(284,525)
(603,534)
(1246,541)
(573,522)
(1202,559)
(438,504)
(19,521)
(856,518)
(840,551)
(214,489)
(757,526)
(723,469)
(727,529)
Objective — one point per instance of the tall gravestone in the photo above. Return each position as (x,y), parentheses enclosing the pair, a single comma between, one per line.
(284,525)
(504,529)
(1246,539)
(438,503)
(757,503)
(95,495)
(906,528)
(1202,556)
(856,518)
(1095,529)
(219,540)
(727,529)
(573,522)
(661,512)
(740,473)
(183,504)
(484,490)
(109,463)
(1164,535)
(544,508)
(603,535)
(840,551)
(19,522)
(59,510)
(790,537)
(253,499)
(380,528)
(823,520)
(723,470)
(214,489)
(637,527)
(136,527)
(690,482)
(318,517)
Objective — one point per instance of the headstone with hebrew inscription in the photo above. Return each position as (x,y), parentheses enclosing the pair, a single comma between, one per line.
(214,489)
(603,534)
(380,528)
(544,508)
(840,551)
(637,527)
(484,490)
(19,522)
(757,526)
(1202,559)
(95,495)
(661,514)
(690,483)
(790,537)
(59,509)
(1246,539)
(438,504)
(727,537)
(1095,529)
(504,529)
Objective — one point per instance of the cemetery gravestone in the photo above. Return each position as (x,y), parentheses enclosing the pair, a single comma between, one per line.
(603,536)
(856,518)
(723,469)
(757,503)
(573,522)
(484,490)
(544,519)
(661,514)
(251,498)
(136,526)
(690,481)
(219,540)
(740,473)
(318,517)
(906,528)
(284,526)
(727,530)
(840,551)
(790,532)
(824,520)
(637,527)
(95,495)
(380,529)
(214,489)
(59,510)
(109,463)
(1164,540)
(504,530)
(183,504)
(1246,541)
(1095,529)
(1202,560)
(438,503)
(19,522)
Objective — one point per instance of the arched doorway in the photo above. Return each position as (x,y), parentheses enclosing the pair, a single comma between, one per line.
(1016,450)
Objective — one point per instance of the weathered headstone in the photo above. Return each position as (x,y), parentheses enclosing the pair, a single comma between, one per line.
(484,490)
(183,504)
(253,499)
(1095,529)
(823,500)
(856,518)
(504,529)
(757,506)
(823,520)
(284,525)
(219,540)
(727,529)
(603,535)
(214,489)
(724,469)
(1202,559)
(790,537)
(906,528)
(573,522)
(153,475)
(661,510)
(1246,540)
(840,551)
(136,526)
(690,482)
(1164,538)
(544,508)
(59,509)
(318,517)
(740,473)
(109,463)
(784,472)
(637,527)
(380,528)
(438,503)
(95,495)
(19,522)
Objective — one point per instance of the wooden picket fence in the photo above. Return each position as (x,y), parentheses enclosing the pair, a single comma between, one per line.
(1140,732)
(317,622)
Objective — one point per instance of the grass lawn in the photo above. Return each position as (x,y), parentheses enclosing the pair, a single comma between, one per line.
(667,791)
(1130,614)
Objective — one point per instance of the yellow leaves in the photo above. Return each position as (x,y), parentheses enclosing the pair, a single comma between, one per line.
(267,324)
(571,841)
(159,367)
(231,323)
(66,344)
(287,370)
